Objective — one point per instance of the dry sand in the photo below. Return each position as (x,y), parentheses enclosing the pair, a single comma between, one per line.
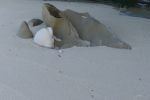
(30,72)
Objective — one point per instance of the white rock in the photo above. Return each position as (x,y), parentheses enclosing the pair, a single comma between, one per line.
(44,37)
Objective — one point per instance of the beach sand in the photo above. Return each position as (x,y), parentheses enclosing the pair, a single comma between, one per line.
(31,72)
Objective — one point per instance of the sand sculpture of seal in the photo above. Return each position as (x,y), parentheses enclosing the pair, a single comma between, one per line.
(72,28)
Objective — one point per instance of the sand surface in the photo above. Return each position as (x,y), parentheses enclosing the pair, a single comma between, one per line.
(30,72)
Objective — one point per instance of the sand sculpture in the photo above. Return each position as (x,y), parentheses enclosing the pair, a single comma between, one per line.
(73,29)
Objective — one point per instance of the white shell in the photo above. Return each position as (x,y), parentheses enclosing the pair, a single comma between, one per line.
(44,37)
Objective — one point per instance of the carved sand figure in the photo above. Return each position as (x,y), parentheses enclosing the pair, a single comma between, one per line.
(72,28)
